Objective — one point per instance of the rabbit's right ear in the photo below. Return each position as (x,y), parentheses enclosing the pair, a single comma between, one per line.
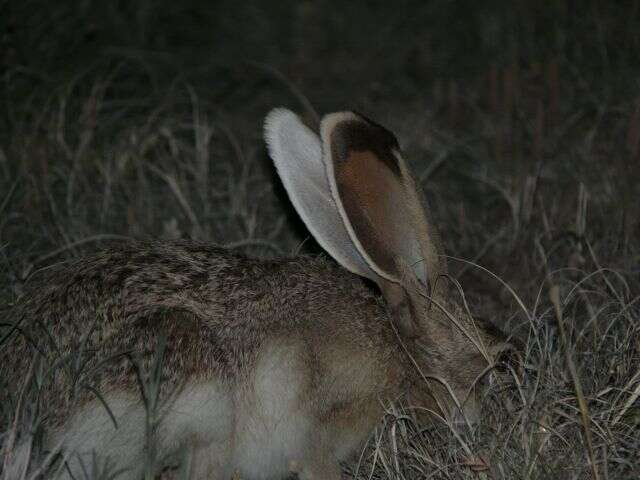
(297,154)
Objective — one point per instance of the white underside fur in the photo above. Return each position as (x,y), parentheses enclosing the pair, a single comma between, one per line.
(261,430)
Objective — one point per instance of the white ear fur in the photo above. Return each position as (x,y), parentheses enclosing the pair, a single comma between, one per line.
(297,154)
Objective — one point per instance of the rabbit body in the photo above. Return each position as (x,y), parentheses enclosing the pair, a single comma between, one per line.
(269,366)
(148,353)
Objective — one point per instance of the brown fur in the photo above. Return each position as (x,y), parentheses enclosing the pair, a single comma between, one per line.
(216,309)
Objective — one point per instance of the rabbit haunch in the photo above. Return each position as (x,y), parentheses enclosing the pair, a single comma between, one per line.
(267,366)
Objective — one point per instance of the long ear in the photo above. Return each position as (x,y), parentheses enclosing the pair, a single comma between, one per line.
(378,199)
(297,154)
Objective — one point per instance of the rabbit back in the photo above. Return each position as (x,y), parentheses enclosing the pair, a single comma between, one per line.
(258,356)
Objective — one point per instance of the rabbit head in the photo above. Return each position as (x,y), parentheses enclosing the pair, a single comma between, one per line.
(356,195)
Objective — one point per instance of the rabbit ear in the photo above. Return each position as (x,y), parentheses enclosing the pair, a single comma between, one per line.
(297,154)
(378,199)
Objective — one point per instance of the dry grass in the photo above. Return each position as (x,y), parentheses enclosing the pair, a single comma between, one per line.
(529,151)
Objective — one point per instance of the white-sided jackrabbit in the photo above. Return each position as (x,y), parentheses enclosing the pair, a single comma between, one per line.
(267,366)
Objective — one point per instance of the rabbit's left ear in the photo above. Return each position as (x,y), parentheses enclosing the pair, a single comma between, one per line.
(297,154)
(378,199)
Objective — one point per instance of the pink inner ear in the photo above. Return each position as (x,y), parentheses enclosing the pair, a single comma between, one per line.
(374,200)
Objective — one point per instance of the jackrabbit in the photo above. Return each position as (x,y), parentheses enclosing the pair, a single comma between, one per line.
(261,367)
